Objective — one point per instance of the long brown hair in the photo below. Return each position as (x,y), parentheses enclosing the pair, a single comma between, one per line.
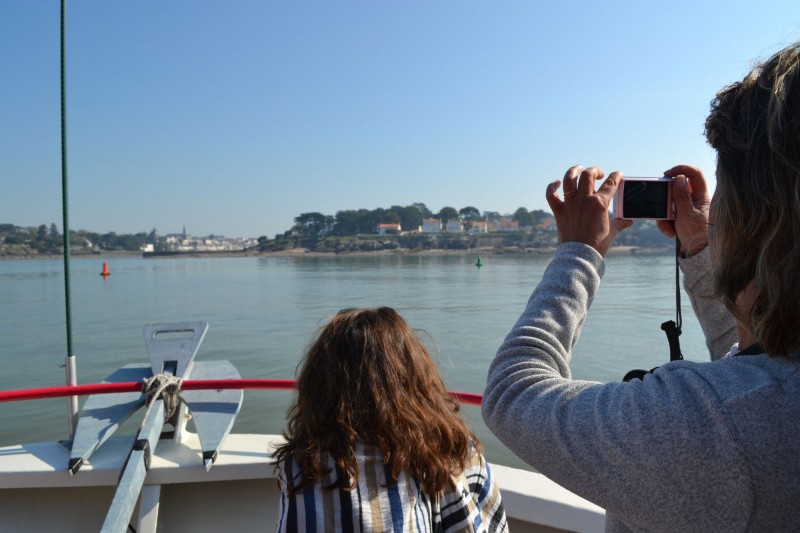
(367,377)
(755,127)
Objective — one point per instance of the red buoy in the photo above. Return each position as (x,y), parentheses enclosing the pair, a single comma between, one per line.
(105,273)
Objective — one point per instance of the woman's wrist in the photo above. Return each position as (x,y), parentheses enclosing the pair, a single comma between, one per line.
(694,246)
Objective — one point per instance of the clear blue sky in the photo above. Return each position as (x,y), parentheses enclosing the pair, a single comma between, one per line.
(235,117)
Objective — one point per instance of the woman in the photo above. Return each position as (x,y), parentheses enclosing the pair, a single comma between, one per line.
(693,446)
(374,441)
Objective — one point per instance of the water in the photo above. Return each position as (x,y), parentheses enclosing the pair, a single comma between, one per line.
(263,311)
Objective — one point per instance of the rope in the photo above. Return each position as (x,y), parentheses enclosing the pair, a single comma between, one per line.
(164,387)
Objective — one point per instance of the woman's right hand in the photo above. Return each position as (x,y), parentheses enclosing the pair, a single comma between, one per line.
(690,195)
(582,216)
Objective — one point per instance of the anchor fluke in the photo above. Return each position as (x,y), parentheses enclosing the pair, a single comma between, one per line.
(208,458)
(213,411)
(74,465)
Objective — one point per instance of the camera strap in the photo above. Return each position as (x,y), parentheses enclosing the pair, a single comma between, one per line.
(672,328)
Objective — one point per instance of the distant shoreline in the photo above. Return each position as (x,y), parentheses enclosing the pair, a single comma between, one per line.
(105,255)
(303,252)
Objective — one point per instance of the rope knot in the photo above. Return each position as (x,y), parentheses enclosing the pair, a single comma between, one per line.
(162,386)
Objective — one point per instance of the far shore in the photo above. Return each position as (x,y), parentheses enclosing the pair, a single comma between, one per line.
(303,252)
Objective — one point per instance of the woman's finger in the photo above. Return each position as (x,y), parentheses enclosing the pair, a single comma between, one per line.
(551,195)
(571,179)
(588,180)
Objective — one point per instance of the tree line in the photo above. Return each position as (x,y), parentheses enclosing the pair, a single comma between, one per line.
(410,217)
(46,239)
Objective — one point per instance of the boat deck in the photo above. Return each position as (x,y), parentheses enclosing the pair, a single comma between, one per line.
(239,493)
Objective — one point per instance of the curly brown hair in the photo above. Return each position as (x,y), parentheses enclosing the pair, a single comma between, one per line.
(367,377)
(754,125)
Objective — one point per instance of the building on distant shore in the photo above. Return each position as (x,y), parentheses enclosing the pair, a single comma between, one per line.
(389,229)
(182,242)
(478,226)
(505,225)
(431,225)
(454,225)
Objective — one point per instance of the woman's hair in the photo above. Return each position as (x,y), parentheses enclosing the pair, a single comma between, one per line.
(367,377)
(754,125)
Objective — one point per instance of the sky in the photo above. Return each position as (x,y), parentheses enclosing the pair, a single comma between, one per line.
(233,118)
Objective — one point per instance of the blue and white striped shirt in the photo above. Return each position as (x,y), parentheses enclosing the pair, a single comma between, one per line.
(470,502)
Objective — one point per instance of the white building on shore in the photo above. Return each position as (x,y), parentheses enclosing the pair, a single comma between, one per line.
(431,225)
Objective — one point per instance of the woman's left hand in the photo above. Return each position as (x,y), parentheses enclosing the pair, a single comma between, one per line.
(582,216)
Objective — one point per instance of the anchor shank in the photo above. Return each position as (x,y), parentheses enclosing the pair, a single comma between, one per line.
(134,472)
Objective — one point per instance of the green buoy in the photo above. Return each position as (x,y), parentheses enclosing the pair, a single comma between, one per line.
(479,263)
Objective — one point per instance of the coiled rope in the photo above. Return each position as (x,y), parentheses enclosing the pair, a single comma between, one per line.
(164,387)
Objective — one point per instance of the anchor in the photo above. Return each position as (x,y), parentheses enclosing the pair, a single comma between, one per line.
(171,349)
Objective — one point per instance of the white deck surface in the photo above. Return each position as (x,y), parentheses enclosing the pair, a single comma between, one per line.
(238,494)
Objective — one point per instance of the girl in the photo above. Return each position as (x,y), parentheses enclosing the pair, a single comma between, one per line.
(374,441)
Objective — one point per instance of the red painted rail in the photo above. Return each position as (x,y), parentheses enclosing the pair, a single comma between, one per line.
(189,384)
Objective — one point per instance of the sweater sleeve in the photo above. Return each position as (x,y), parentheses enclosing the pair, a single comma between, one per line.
(628,447)
(719,327)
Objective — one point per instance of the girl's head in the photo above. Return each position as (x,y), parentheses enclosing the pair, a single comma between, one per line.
(754,125)
(367,377)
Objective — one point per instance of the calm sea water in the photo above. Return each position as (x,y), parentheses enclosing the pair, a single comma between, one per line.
(263,312)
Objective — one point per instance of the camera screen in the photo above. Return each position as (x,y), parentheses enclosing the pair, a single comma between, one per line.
(645,199)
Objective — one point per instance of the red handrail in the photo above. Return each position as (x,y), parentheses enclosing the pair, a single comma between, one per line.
(189,384)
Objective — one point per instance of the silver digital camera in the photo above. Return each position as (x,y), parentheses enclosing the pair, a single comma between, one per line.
(644,198)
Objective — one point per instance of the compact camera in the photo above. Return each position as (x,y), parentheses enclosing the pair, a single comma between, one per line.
(640,198)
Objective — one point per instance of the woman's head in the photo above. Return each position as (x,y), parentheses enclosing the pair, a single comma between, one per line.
(367,377)
(754,125)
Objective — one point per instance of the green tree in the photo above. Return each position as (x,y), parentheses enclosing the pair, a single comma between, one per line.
(377,216)
(108,241)
(315,224)
(410,217)
(422,208)
(368,223)
(346,222)
(53,236)
(391,217)
(132,241)
(41,234)
(539,215)
(523,216)
(469,213)
(447,213)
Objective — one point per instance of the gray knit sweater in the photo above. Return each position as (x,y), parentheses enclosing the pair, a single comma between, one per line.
(693,447)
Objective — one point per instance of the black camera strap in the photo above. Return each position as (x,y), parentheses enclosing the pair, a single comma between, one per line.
(672,328)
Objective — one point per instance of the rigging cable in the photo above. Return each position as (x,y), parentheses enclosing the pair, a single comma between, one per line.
(72,377)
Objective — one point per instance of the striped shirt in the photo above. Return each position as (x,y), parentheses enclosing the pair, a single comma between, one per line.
(470,501)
